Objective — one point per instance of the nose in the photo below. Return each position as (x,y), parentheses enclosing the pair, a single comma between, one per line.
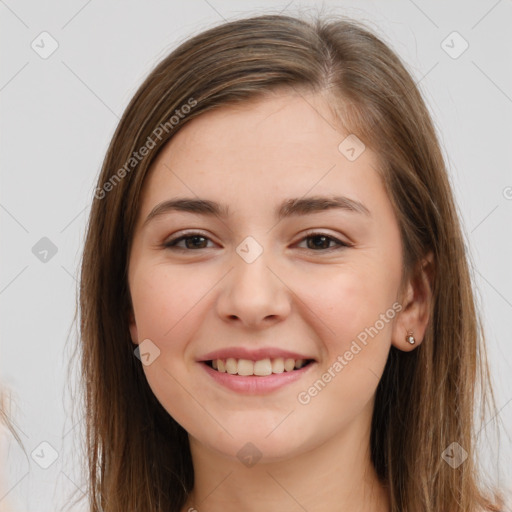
(253,294)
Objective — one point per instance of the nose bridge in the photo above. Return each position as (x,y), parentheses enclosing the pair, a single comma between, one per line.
(251,268)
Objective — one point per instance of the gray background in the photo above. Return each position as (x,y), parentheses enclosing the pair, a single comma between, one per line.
(59,113)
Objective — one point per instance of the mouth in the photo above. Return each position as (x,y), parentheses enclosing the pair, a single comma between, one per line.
(259,368)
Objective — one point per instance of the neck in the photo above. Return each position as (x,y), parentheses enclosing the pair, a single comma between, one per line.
(337,475)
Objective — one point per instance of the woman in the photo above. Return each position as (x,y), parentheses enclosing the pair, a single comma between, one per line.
(276,308)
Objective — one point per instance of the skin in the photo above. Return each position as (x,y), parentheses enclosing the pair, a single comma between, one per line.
(295,296)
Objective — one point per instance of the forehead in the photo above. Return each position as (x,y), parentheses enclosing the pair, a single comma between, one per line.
(284,145)
(279,123)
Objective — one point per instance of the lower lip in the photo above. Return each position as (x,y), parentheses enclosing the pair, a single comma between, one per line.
(256,385)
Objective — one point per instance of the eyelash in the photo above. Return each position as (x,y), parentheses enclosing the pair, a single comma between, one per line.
(171,244)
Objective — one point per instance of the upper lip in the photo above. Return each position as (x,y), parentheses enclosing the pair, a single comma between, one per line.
(252,354)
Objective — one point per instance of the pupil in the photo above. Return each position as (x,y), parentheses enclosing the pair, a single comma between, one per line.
(191,241)
(322,244)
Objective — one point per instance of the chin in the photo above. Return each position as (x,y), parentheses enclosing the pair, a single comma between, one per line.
(257,444)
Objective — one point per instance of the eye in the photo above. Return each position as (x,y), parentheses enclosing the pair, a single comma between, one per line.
(196,242)
(321,241)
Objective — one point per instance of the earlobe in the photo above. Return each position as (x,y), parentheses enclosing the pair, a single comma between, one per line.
(410,338)
(410,325)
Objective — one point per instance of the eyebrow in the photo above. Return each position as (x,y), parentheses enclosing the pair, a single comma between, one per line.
(288,208)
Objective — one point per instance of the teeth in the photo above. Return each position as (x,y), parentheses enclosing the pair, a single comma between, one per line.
(231,366)
(289,364)
(245,367)
(278,365)
(299,363)
(261,368)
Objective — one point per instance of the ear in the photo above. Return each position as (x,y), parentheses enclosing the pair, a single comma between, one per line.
(416,303)
(133,328)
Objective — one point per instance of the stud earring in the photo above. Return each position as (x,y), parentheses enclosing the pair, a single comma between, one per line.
(410,338)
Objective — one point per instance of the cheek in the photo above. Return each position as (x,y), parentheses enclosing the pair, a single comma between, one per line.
(357,317)
(166,303)
(353,300)
(356,306)
(163,299)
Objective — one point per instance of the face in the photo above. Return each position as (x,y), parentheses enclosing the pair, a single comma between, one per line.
(246,283)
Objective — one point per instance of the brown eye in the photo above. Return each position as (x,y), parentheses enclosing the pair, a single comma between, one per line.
(192,241)
(321,242)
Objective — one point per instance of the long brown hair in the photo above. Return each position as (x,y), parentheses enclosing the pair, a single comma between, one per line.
(138,455)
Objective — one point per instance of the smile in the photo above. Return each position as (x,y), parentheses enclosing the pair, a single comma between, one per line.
(261,368)
(257,377)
